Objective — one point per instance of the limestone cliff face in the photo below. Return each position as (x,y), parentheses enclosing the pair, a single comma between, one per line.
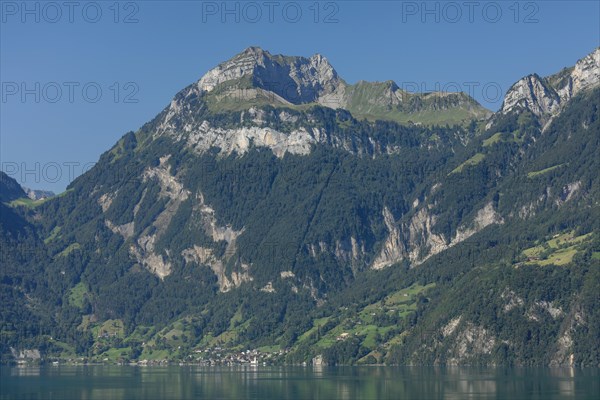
(201,136)
(545,97)
(585,75)
(239,140)
(296,79)
(415,240)
(350,251)
(564,347)
(534,94)
(144,248)
(206,256)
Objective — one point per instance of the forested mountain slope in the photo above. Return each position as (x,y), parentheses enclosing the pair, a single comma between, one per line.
(244,217)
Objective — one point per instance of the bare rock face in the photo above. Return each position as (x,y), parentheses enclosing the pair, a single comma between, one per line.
(206,256)
(350,251)
(470,341)
(564,346)
(144,248)
(585,75)
(296,79)
(35,194)
(201,136)
(240,140)
(545,97)
(415,240)
(533,94)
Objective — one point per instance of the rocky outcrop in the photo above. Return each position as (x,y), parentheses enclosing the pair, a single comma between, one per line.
(567,193)
(240,140)
(349,251)
(205,216)
(539,308)
(202,136)
(564,351)
(451,326)
(470,342)
(512,300)
(144,248)
(534,94)
(25,355)
(169,185)
(585,75)
(459,342)
(287,274)
(546,97)
(415,240)
(105,201)
(144,253)
(298,80)
(125,230)
(205,256)
(268,288)
(255,77)
(35,194)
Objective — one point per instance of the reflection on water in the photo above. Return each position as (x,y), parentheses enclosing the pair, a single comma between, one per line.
(265,383)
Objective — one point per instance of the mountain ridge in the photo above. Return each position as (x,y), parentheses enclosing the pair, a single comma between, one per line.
(546,96)
(293,80)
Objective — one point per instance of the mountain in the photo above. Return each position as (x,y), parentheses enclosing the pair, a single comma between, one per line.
(546,97)
(249,214)
(257,77)
(292,80)
(36,194)
(10,189)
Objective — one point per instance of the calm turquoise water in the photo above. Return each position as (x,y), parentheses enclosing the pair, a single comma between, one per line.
(278,383)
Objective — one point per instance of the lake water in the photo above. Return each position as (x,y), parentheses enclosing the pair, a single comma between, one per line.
(279,383)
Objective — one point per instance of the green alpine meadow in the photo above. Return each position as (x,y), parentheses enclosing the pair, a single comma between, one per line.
(274,214)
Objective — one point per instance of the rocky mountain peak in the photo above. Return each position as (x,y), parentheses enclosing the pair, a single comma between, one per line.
(585,75)
(545,97)
(531,93)
(256,77)
(296,79)
(255,50)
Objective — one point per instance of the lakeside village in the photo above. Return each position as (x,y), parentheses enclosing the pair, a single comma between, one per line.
(215,356)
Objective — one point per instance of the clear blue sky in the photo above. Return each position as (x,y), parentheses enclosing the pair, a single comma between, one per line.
(168,44)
